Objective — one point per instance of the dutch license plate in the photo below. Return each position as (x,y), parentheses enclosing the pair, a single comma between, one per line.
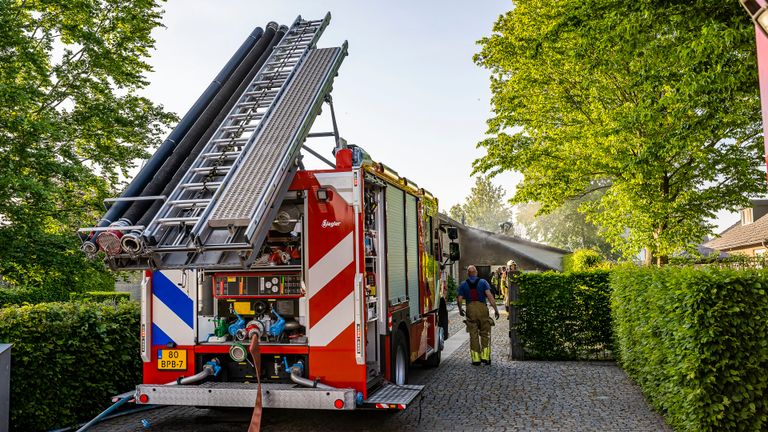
(172,359)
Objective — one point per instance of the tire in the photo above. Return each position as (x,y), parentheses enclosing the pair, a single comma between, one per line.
(442,317)
(434,360)
(400,359)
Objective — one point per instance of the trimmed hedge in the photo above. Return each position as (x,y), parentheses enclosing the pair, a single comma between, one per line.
(101,296)
(696,341)
(68,359)
(565,316)
(17,296)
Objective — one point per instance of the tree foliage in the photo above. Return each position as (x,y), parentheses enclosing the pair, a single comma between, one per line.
(565,227)
(484,207)
(71,117)
(653,102)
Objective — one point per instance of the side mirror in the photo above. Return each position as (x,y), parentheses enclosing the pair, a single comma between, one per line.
(453,252)
(453,233)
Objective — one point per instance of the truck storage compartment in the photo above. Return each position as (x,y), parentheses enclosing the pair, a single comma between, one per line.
(268,304)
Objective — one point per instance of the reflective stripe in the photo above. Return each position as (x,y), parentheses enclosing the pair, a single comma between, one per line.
(333,323)
(177,300)
(486,354)
(331,264)
(166,320)
(173,308)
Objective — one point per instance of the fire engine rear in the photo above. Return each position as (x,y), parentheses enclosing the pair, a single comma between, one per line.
(336,272)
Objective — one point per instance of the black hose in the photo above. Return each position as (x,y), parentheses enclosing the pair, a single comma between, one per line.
(189,147)
(213,125)
(148,171)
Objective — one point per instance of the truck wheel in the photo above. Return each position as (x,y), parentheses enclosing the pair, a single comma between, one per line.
(442,317)
(400,359)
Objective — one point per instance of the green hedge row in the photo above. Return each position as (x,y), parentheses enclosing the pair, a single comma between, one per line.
(101,296)
(565,316)
(696,341)
(68,359)
(17,296)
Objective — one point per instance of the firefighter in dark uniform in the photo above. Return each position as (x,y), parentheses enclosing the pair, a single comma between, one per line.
(476,291)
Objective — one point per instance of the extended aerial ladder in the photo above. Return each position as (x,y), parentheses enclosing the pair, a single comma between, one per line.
(221,207)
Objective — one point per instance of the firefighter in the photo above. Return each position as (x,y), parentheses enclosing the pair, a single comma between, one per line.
(475,291)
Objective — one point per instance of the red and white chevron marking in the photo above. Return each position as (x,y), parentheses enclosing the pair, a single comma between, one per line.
(330,293)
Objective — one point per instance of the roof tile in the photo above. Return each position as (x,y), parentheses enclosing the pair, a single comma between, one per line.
(739,235)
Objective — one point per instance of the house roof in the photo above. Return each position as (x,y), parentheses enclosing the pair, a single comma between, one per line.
(738,235)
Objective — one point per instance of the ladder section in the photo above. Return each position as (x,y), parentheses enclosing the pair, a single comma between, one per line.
(268,166)
(192,198)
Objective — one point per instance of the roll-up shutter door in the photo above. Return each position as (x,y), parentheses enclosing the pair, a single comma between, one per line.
(412,253)
(396,273)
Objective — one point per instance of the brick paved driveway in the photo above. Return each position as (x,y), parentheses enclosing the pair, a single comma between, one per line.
(517,396)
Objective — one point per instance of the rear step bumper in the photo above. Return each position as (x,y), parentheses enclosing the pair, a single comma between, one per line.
(216,394)
(391,396)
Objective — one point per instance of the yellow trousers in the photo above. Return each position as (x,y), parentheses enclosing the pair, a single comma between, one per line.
(479,327)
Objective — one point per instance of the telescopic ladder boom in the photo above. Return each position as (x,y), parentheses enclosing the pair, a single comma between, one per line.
(225,202)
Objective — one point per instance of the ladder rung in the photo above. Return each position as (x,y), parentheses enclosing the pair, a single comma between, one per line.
(178,220)
(309,23)
(275,76)
(198,186)
(271,83)
(294,35)
(240,128)
(288,54)
(249,115)
(280,67)
(221,155)
(221,141)
(189,202)
(207,170)
(261,92)
(290,47)
(254,104)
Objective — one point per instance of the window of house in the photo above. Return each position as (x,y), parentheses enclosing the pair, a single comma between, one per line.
(746,216)
(759,252)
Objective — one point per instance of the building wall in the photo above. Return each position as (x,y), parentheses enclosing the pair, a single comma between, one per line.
(752,250)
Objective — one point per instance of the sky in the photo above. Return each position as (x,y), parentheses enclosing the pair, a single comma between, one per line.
(408,92)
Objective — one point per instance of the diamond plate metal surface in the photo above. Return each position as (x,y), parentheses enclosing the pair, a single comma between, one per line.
(244,395)
(249,186)
(394,394)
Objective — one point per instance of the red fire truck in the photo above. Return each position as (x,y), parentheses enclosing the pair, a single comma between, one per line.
(336,272)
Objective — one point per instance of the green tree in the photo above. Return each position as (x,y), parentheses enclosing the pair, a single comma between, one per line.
(655,103)
(565,227)
(484,208)
(71,120)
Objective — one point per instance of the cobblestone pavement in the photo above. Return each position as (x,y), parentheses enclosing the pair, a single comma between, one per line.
(506,396)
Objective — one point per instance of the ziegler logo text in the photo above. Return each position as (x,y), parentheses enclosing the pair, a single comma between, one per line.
(329,224)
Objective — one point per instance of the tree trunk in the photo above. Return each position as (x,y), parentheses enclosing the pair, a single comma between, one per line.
(661,260)
(648,259)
